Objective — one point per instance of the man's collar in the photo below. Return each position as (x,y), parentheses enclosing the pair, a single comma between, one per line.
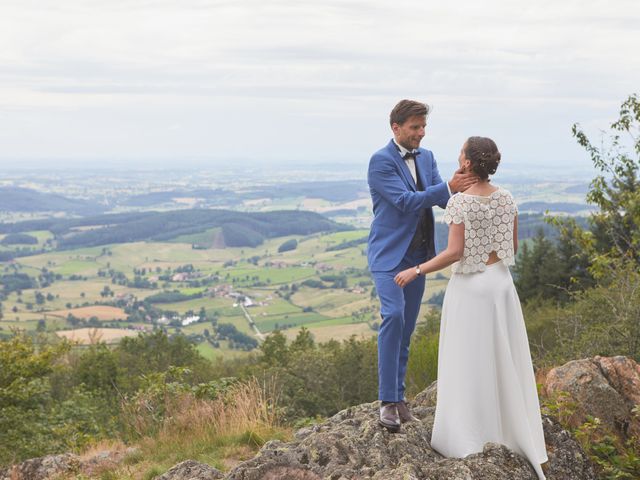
(402,150)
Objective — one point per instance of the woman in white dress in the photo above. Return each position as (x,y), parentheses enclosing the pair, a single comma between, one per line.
(486,385)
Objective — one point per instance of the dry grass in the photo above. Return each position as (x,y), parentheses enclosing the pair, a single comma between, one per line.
(220,432)
(246,406)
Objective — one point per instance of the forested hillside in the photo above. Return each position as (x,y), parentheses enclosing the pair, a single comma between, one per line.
(238,228)
(15,199)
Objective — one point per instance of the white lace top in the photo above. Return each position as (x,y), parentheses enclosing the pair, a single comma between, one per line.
(488,226)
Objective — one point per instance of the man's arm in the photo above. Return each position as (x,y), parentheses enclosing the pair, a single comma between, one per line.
(385,179)
(436,179)
(458,183)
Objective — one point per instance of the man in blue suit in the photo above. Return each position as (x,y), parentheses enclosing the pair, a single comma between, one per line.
(405,184)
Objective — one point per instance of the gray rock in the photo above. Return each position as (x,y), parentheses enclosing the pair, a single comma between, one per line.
(351,445)
(191,470)
(42,468)
(106,459)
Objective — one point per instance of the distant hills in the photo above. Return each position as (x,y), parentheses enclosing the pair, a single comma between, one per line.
(17,199)
(582,188)
(565,207)
(332,191)
(238,229)
(216,196)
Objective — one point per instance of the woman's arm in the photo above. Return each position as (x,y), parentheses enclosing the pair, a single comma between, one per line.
(453,253)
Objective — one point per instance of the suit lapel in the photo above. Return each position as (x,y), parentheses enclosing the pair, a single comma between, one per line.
(406,173)
(421,168)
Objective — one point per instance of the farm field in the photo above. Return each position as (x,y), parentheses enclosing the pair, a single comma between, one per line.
(330,332)
(101,312)
(104,285)
(86,336)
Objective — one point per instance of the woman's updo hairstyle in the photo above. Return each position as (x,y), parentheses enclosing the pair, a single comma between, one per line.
(484,156)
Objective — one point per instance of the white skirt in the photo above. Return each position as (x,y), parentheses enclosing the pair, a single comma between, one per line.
(486,386)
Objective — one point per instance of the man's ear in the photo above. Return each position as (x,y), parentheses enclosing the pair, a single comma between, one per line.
(394,127)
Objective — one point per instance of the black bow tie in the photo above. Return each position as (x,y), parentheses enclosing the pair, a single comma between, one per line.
(409,155)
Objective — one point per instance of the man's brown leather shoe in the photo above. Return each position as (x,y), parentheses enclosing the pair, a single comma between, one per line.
(404,413)
(389,417)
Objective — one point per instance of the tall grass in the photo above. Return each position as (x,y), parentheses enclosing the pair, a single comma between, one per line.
(245,406)
(170,426)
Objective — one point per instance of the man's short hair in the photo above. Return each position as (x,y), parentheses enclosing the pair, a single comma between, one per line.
(407,108)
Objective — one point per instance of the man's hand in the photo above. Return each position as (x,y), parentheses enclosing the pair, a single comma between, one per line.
(461,181)
(405,277)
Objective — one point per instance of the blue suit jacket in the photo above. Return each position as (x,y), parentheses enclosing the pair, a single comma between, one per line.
(397,203)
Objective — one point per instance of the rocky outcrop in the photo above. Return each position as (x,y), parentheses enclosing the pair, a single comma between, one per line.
(42,468)
(604,387)
(351,445)
(66,465)
(191,470)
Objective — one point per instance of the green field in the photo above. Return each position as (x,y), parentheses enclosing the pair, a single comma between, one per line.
(290,321)
(269,275)
(332,322)
(262,274)
(238,321)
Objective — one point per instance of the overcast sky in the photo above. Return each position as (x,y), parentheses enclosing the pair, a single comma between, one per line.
(183,81)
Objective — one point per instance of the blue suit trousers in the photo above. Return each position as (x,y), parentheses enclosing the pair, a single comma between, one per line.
(399,308)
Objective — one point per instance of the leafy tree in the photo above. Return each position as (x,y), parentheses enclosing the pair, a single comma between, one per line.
(237,338)
(274,349)
(32,421)
(40,298)
(15,282)
(156,352)
(291,244)
(97,369)
(303,341)
(537,272)
(602,316)
(615,228)
(319,379)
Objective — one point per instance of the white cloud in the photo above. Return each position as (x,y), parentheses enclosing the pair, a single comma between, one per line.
(95,79)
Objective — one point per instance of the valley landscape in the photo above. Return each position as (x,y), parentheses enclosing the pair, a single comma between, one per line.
(175,321)
(225,263)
